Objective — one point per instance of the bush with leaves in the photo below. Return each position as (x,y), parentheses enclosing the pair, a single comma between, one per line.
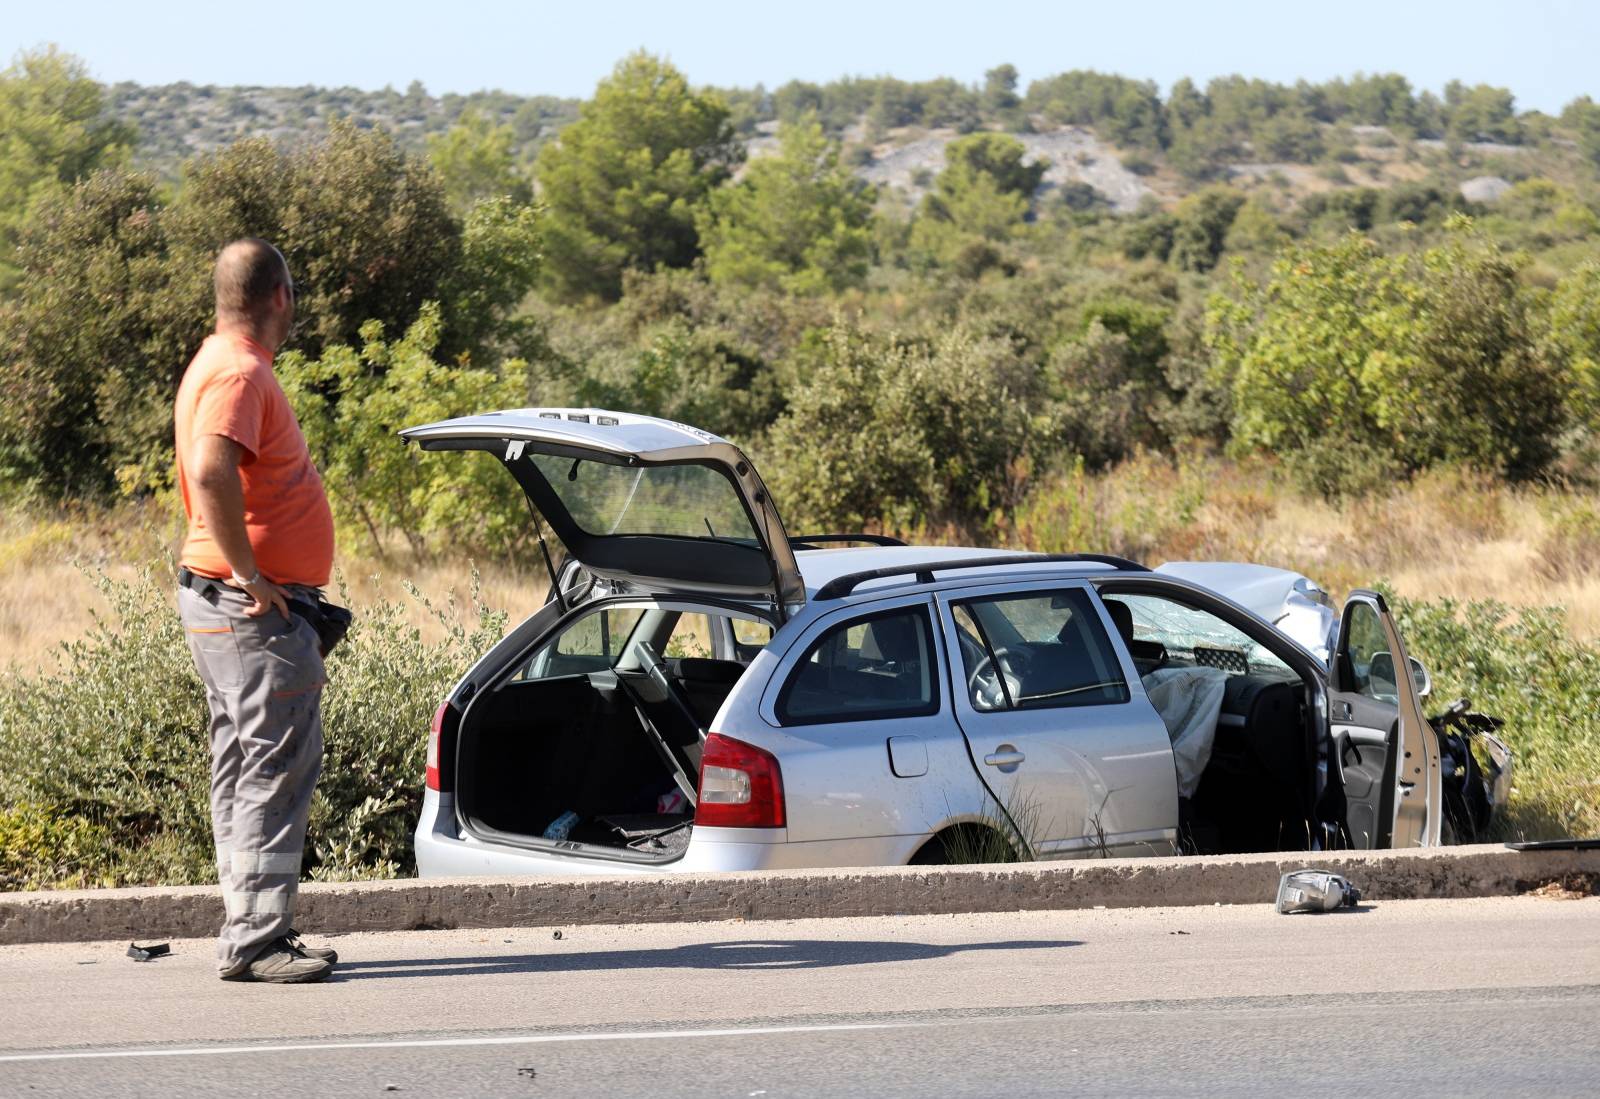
(886,431)
(106,765)
(1356,365)
(1529,670)
(351,403)
(118,289)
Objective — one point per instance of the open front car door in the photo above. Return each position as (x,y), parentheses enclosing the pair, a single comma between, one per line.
(1386,751)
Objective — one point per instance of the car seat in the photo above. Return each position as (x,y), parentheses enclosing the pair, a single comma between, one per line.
(1147,655)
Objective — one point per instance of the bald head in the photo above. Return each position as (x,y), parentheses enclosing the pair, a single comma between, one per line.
(253,287)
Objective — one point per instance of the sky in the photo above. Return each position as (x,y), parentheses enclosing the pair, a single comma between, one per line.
(1543,50)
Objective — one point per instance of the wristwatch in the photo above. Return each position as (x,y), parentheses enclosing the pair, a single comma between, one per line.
(251,582)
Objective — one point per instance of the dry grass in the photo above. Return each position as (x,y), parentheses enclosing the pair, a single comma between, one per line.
(1448,533)
(46,596)
(1445,534)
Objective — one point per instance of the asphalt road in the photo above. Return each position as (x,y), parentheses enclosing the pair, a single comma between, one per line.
(1426,997)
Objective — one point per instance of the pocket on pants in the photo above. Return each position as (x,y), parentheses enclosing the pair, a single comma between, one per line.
(215,646)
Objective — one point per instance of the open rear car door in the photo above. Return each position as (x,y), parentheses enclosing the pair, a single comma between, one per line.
(651,503)
(1385,750)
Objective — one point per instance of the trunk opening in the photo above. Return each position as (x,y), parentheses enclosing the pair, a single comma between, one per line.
(615,755)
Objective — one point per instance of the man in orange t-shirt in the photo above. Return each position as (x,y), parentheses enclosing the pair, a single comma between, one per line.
(260,536)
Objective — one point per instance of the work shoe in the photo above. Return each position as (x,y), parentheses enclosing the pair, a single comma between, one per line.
(282,964)
(326,953)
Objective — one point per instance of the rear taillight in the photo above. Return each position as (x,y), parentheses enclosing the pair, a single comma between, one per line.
(740,786)
(443,718)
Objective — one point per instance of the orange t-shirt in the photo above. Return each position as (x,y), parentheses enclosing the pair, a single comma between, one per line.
(229,389)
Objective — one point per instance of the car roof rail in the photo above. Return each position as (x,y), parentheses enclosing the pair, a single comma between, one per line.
(841,586)
(812,541)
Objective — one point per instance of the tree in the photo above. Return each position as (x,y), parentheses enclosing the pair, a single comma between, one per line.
(1201,227)
(625,182)
(365,227)
(475,160)
(1574,336)
(93,330)
(977,203)
(117,293)
(1357,366)
(1000,99)
(352,400)
(1480,113)
(1126,111)
(1582,115)
(901,432)
(53,132)
(797,220)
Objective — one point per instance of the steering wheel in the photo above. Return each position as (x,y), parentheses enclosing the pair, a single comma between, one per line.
(984,685)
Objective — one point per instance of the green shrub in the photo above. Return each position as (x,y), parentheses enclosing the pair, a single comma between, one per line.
(104,762)
(1529,670)
(39,848)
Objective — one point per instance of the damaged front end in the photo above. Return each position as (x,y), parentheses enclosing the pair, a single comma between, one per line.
(1475,767)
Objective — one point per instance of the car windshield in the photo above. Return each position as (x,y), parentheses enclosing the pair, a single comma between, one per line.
(686,500)
(1197,637)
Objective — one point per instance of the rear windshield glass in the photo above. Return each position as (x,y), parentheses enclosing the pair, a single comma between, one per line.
(689,501)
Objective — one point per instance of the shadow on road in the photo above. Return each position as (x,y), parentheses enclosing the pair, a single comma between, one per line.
(749,954)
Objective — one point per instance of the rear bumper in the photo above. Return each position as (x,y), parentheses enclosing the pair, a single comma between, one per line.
(443,851)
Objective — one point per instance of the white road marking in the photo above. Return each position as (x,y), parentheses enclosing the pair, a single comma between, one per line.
(421,1043)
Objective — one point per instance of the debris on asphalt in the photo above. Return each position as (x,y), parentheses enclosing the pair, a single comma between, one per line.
(1315,891)
(530,1073)
(146,953)
(557,935)
(1177,932)
(1568,887)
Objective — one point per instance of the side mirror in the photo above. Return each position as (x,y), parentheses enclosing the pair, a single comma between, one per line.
(1381,670)
(1420,678)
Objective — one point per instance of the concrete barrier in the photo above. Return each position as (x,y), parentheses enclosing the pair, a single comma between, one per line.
(176,912)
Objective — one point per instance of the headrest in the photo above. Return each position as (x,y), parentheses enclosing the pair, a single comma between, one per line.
(893,638)
(1121,617)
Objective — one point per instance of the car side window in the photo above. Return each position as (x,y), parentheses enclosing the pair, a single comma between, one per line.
(590,644)
(867,668)
(1039,651)
(1371,663)
(691,636)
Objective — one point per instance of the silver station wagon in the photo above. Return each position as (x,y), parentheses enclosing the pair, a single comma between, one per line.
(703,691)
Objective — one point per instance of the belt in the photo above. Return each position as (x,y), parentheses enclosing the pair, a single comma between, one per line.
(195,582)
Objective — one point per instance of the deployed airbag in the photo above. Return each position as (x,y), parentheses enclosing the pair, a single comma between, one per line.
(1189,701)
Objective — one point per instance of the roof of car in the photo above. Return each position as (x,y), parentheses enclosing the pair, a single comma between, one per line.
(818,567)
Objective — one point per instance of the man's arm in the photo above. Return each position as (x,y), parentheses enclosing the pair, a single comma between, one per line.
(215,473)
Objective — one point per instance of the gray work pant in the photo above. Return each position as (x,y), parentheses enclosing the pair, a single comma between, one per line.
(263,679)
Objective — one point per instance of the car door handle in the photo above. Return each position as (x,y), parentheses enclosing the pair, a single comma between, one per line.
(1007,756)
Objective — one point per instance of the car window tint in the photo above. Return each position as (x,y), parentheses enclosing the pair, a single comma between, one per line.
(1196,637)
(876,667)
(1038,651)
